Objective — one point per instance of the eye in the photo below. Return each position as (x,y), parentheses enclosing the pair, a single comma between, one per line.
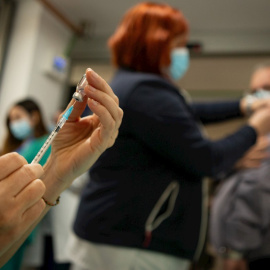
(266,87)
(15,117)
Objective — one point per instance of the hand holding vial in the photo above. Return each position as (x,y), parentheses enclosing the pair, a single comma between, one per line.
(74,150)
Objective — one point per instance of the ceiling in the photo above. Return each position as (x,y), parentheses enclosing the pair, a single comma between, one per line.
(221,26)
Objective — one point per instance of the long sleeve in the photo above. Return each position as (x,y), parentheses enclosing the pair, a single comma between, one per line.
(166,124)
(209,112)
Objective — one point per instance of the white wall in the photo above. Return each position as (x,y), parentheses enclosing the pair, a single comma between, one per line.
(221,73)
(213,42)
(52,40)
(205,73)
(20,54)
(36,37)
(221,26)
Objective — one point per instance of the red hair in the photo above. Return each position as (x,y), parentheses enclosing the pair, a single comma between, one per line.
(142,40)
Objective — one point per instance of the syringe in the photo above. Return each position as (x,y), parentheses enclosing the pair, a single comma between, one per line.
(50,139)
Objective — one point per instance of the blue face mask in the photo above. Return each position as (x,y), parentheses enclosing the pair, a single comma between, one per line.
(179,63)
(21,129)
(262,94)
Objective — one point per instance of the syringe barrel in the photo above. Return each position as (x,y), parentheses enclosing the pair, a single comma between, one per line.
(45,147)
(48,142)
(61,122)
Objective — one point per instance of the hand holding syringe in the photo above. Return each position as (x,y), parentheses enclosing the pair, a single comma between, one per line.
(48,142)
(78,96)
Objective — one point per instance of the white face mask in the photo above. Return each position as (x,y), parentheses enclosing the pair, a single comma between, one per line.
(179,63)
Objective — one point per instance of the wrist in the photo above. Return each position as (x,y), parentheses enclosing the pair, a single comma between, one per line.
(54,186)
(246,105)
(254,125)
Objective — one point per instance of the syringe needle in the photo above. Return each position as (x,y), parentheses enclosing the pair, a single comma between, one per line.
(51,137)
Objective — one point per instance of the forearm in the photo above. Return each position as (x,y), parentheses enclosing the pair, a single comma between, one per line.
(216,111)
(227,151)
(77,146)
(53,190)
(6,255)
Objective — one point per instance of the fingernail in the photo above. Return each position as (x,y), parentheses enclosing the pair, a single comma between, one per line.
(94,75)
(88,69)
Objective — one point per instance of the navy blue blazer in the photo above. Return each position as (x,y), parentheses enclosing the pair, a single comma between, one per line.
(160,143)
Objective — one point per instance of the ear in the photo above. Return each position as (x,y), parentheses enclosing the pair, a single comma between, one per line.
(35,118)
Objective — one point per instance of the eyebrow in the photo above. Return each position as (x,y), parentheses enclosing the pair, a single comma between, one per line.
(265,87)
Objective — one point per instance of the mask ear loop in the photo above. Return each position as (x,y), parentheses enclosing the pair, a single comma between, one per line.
(153,220)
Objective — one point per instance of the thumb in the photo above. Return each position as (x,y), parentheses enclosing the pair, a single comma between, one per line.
(78,108)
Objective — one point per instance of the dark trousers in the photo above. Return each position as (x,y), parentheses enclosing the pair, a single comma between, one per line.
(49,262)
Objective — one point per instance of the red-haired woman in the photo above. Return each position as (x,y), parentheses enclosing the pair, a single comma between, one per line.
(143,208)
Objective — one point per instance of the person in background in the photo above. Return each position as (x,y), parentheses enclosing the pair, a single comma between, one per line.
(26,134)
(26,131)
(28,191)
(240,220)
(144,207)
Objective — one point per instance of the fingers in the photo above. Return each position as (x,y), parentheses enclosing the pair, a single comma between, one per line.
(33,212)
(263,143)
(108,112)
(21,211)
(107,101)
(78,108)
(31,194)
(25,213)
(249,164)
(105,118)
(103,94)
(10,163)
(260,149)
(265,102)
(97,82)
(105,104)
(261,156)
(19,179)
(260,104)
